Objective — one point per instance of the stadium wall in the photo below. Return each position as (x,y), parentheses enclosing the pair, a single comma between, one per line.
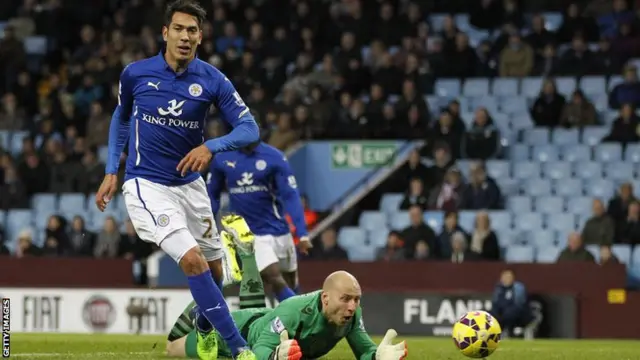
(595,291)
(327,170)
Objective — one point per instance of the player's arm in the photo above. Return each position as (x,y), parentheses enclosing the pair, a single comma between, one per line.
(364,348)
(215,184)
(266,346)
(120,122)
(287,188)
(236,113)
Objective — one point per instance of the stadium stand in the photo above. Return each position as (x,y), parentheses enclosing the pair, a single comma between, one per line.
(545,99)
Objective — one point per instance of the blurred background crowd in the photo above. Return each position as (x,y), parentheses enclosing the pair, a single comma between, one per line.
(502,92)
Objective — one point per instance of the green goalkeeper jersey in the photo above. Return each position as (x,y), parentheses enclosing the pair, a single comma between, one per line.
(302,317)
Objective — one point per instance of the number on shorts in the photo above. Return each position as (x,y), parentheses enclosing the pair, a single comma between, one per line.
(207,234)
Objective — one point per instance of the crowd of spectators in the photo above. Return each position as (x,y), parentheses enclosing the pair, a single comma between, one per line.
(303,73)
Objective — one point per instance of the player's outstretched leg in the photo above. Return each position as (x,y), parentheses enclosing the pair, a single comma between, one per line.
(209,298)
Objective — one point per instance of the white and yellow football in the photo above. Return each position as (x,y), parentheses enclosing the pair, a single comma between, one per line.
(476,334)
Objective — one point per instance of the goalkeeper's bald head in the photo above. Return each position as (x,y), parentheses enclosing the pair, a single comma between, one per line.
(340,297)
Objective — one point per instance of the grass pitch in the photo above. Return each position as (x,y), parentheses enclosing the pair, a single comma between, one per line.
(126,347)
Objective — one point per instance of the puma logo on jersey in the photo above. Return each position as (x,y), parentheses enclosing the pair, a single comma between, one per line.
(155,86)
(231,164)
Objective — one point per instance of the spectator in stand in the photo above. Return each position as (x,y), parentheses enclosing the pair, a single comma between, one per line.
(547,108)
(108,240)
(517,59)
(25,245)
(12,190)
(626,128)
(548,64)
(578,112)
(91,170)
(417,231)
(449,195)
(329,248)
(621,14)
(510,303)
(628,230)
(394,250)
(460,249)
(578,59)
(310,217)
(458,123)
(574,22)
(444,131)
(619,204)
(539,37)
(98,125)
(413,169)
(284,136)
(415,196)
(482,140)
(600,228)
(56,242)
(627,92)
(575,250)
(11,116)
(484,241)
(606,256)
(81,240)
(607,61)
(482,192)
(442,162)
(131,247)
(35,174)
(422,251)
(443,242)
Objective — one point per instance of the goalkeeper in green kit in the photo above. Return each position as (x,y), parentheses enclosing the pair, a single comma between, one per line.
(302,327)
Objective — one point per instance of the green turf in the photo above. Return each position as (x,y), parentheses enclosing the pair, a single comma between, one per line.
(83,346)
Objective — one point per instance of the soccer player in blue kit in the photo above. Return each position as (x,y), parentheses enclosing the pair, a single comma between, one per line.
(163,102)
(262,188)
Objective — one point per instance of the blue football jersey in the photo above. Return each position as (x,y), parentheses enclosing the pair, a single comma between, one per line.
(166,113)
(262,189)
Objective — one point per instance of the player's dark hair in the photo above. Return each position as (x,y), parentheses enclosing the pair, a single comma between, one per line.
(190,7)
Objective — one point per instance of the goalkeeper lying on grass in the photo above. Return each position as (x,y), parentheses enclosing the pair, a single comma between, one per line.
(302,327)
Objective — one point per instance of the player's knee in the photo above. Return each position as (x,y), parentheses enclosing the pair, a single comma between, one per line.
(193,262)
(274,278)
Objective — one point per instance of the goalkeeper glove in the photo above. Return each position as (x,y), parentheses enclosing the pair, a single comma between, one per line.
(388,351)
(287,350)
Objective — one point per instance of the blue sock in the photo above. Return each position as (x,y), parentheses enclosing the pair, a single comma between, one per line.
(213,306)
(296,289)
(284,294)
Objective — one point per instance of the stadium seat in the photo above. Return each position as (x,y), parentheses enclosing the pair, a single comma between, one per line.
(632,153)
(573,153)
(618,170)
(527,221)
(593,85)
(467,219)
(435,219)
(549,204)
(390,202)
(563,222)
(601,102)
(579,205)
(595,251)
(498,169)
(531,87)
(592,135)
(536,187)
(526,170)
(566,86)
(504,87)
(16,141)
(607,152)
(373,220)
(475,87)
(506,237)
(513,105)
(622,252)
(399,220)
(557,170)
(4,139)
(520,152)
(544,153)
(16,221)
(614,81)
(350,237)
(548,254)
(565,136)
(519,254)
(43,203)
(635,256)
(448,88)
(600,188)
(378,238)
(568,187)
(509,187)
(541,237)
(552,20)
(519,204)
(589,170)
(488,102)
(362,253)
(521,121)
(72,203)
(500,219)
(3,216)
(537,136)
(98,218)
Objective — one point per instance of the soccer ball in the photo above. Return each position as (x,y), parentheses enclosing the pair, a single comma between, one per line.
(476,334)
